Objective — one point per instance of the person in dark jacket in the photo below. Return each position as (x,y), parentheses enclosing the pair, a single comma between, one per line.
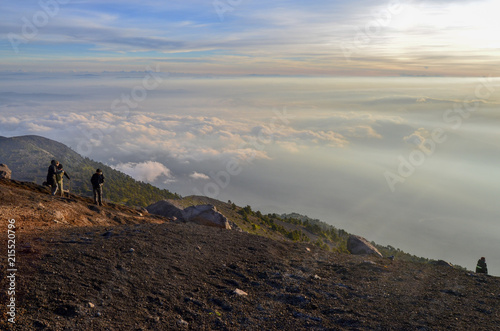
(481,267)
(51,176)
(97,181)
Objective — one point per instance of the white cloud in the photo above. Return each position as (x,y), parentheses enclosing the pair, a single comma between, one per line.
(37,127)
(147,171)
(418,137)
(9,120)
(197,175)
(361,131)
(310,137)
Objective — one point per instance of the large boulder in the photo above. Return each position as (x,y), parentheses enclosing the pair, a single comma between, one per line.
(5,172)
(360,246)
(201,214)
(205,215)
(165,208)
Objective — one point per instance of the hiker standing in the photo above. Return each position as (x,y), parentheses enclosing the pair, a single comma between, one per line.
(97,181)
(59,178)
(481,267)
(51,176)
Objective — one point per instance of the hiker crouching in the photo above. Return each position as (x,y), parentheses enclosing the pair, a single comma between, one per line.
(481,267)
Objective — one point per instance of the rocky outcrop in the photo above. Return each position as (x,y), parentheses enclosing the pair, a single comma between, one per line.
(442,263)
(165,208)
(206,215)
(5,172)
(360,246)
(201,214)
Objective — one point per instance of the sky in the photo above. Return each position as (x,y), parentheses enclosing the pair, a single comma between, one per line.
(362,38)
(379,118)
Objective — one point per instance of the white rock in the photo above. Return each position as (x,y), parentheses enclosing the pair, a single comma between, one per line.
(201,214)
(240,292)
(182,323)
(205,215)
(5,172)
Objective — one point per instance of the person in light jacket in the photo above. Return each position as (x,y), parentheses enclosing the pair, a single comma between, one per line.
(59,178)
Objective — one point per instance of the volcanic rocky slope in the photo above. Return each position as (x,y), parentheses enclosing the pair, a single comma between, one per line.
(82,267)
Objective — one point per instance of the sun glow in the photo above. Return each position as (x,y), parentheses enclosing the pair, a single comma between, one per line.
(474,15)
(465,27)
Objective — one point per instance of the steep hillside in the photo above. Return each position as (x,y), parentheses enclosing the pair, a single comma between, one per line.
(29,157)
(81,267)
(293,227)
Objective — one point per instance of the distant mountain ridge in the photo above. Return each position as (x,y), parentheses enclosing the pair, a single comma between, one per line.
(330,233)
(29,157)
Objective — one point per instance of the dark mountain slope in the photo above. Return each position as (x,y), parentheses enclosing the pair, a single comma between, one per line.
(111,268)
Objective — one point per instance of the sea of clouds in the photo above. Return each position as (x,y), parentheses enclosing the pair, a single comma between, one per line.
(410,162)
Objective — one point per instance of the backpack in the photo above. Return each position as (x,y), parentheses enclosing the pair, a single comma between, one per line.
(95,180)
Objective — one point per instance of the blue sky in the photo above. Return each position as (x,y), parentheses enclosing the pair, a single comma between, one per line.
(362,38)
